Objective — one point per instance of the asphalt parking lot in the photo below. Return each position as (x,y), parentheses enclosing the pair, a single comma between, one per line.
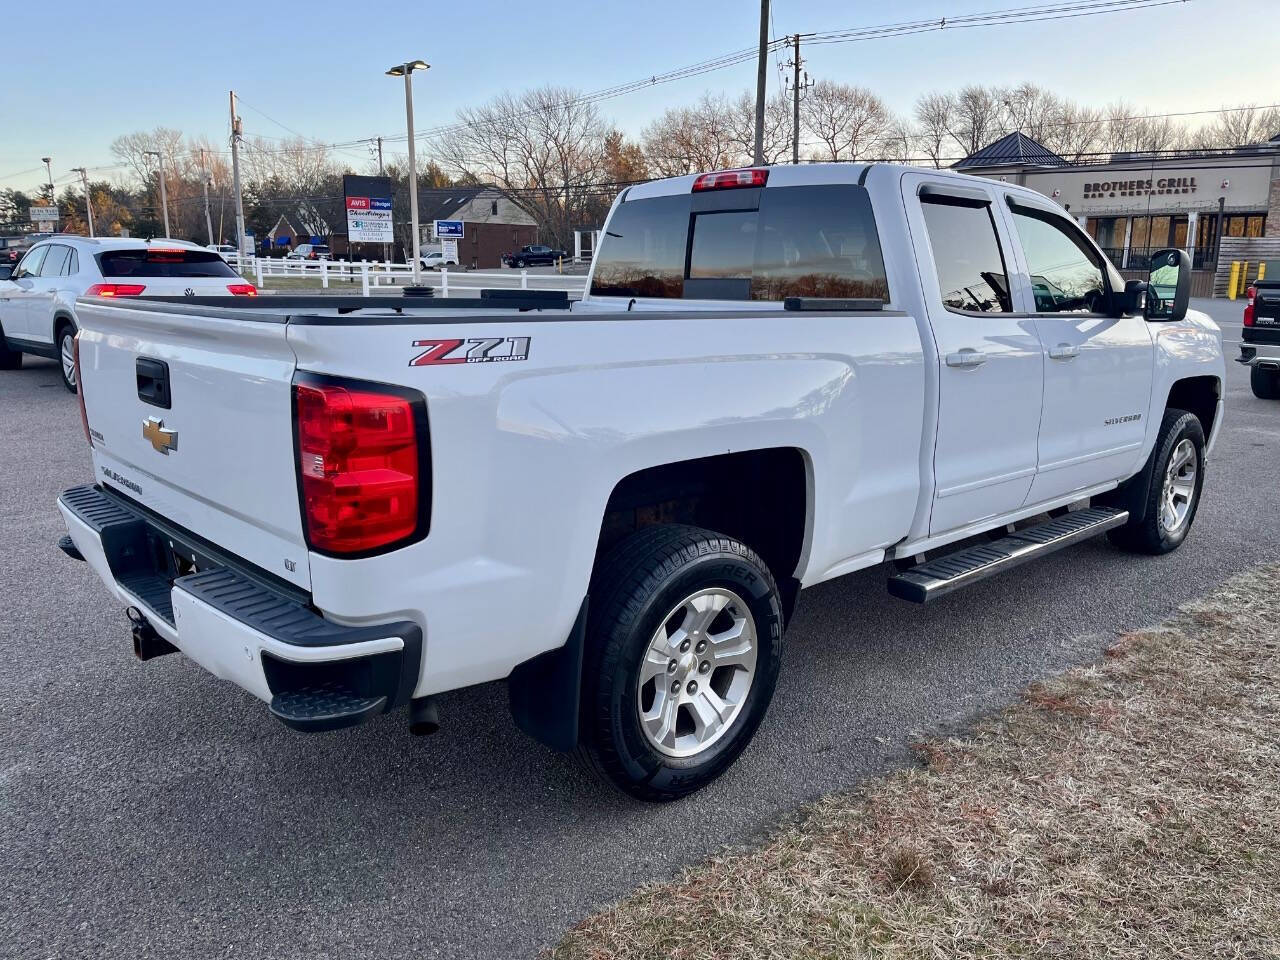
(150,810)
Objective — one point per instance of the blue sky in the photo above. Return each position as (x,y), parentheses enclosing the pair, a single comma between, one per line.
(85,72)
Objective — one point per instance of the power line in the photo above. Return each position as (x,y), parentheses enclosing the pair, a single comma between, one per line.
(1034,14)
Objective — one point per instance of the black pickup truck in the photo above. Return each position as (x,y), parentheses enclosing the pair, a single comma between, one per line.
(533,255)
(1260,349)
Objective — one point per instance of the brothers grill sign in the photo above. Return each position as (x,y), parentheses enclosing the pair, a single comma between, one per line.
(1139,188)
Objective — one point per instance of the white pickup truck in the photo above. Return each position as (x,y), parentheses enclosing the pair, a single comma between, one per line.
(777,376)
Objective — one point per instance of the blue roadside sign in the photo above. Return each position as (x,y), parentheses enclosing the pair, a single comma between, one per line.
(448,229)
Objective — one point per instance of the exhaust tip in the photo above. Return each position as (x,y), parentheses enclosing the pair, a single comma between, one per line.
(424,716)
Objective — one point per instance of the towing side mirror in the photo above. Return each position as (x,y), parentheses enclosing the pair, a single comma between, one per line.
(6,272)
(1168,286)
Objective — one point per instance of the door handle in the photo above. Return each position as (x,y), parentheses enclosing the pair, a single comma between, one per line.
(1064,351)
(968,357)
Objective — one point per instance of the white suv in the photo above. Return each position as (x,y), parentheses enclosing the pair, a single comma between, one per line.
(38,296)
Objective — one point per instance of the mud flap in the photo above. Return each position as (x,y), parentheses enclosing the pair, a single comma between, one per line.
(545,691)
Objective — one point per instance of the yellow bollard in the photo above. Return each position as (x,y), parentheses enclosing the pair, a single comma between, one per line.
(1262,270)
(1244,278)
(1234,280)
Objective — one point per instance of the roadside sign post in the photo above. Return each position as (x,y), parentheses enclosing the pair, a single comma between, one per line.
(448,233)
(45,218)
(369,213)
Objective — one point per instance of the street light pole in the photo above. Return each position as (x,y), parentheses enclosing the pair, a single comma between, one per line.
(406,70)
(88,203)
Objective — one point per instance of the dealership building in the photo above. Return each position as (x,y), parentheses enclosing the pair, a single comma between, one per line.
(1135,204)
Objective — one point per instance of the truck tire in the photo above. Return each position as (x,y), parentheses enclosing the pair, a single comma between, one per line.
(1177,477)
(519,264)
(684,643)
(1265,383)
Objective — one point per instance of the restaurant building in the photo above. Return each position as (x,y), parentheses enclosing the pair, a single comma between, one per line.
(1135,204)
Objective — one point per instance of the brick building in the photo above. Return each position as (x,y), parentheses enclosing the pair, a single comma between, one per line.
(492,223)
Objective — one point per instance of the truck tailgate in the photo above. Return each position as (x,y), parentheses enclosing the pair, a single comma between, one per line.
(212,451)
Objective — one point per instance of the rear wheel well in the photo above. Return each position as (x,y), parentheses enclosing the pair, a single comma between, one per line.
(759,497)
(60,321)
(1198,395)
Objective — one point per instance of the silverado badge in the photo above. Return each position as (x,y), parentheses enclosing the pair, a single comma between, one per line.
(164,440)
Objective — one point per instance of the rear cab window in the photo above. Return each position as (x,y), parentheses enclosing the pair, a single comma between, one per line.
(163,263)
(763,244)
(972,276)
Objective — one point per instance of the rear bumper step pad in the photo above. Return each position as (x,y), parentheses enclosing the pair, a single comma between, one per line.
(307,693)
(940,577)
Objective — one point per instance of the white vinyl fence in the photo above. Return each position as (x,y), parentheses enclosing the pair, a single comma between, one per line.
(375,276)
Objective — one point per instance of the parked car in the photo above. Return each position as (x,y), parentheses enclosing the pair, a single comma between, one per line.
(309,251)
(434,260)
(1260,349)
(39,298)
(224,250)
(824,368)
(533,255)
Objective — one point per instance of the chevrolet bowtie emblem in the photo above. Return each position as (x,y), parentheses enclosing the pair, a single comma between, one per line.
(164,440)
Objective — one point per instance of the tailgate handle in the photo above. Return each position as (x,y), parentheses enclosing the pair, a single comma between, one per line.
(153,382)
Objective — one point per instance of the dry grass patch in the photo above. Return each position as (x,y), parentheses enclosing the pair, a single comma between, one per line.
(1125,809)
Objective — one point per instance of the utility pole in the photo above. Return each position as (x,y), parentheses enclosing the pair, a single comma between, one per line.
(204,174)
(236,132)
(798,87)
(381,172)
(164,193)
(88,203)
(762,75)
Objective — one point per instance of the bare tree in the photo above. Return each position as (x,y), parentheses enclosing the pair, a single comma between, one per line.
(1238,127)
(546,147)
(845,120)
(1078,133)
(897,143)
(777,129)
(977,117)
(690,139)
(933,114)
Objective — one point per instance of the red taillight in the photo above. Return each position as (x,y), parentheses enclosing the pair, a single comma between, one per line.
(242,289)
(115,290)
(84,415)
(359,465)
(731,179)
(1248,307)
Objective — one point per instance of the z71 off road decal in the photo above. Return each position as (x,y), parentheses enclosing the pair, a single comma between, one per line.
(479,350)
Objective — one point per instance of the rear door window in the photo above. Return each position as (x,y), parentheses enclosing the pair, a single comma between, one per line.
(966,253)
(55,263)
(163,263)
(813,241)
